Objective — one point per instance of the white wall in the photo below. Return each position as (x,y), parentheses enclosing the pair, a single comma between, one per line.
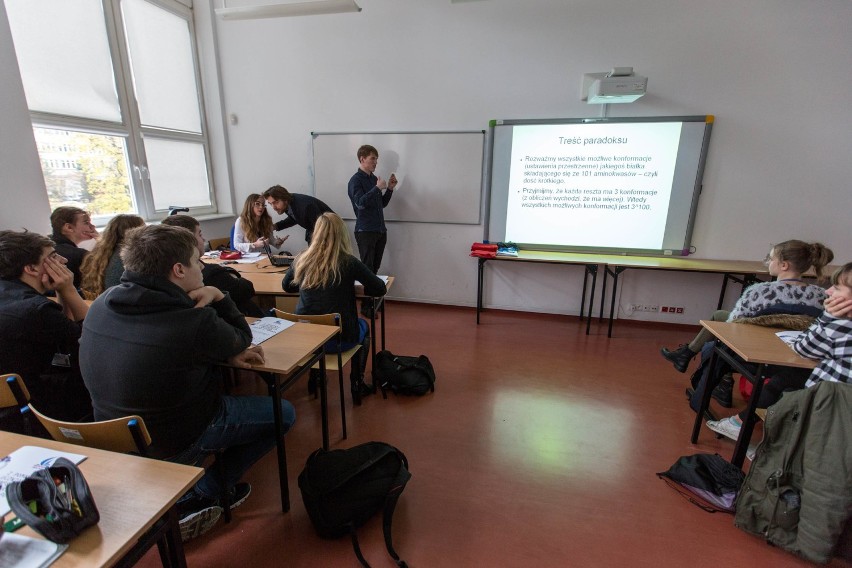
(22,190)
(772,71)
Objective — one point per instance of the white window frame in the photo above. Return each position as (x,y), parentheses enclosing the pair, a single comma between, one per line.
(130,128)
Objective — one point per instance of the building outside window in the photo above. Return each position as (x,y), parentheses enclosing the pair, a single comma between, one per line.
(114,93)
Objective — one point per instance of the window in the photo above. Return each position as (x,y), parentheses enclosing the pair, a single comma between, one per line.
(115,99)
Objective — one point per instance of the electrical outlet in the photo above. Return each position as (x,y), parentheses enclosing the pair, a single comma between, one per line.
(679,310)
(651,308)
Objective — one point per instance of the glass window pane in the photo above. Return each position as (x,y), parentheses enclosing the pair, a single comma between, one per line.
(178,173)
(57,79)
(163,68)
(85,170)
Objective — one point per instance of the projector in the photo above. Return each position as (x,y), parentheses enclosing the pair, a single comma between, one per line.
(610,88)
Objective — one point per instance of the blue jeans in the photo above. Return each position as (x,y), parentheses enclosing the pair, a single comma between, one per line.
(359,361)
(244,428)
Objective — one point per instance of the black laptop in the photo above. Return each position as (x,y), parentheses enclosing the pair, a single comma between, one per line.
(277,260)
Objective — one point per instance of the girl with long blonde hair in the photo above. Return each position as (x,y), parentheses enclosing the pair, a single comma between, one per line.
(102,268)
(325,275)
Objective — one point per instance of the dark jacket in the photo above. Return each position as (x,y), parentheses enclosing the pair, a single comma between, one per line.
(73,254)
(229,280)
(33,329)
(147,350)
(304,210)
(338,298)
(368,202)
(797,493)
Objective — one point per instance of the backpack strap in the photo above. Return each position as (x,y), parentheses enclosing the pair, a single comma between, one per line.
(356,547)
(390,505)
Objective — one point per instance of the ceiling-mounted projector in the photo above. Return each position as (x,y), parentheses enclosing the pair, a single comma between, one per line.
(620,85)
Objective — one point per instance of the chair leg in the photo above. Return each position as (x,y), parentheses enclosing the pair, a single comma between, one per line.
(342,399)
(225,497)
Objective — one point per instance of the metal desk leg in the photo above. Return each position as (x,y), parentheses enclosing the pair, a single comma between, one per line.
(748,424)
(384,316)
(724,289)
(603,292)
(177,557)
(479,282)
(618,270)
(593,269)
(373,343)
(275,394)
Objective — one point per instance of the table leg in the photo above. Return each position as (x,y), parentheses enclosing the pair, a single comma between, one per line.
(593,270)
(373,343)
(618,270)
(479,282)
(384,316)
(177,557)
(724,289)
(603,293)
(748,424)
(275,394)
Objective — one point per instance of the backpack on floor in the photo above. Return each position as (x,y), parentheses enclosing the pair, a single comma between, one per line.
(708,481)
(403,374)
(342,489)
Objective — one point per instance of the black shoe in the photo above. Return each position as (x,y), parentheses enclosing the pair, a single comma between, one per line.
(707,414)
(360,389)
(239,494)
(313,382)
(723,393)
(680,357)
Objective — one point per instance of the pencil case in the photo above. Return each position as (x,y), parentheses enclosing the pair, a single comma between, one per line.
(230,255)
(56,501)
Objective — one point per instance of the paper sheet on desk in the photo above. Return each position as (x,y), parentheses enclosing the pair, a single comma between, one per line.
(384,279)
(264,328)
(22,462)
(789,337)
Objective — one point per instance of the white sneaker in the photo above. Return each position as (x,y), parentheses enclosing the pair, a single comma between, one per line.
(751,452)
(197,523)
(726,427)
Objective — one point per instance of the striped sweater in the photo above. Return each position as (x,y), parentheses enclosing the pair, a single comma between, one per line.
(829,339)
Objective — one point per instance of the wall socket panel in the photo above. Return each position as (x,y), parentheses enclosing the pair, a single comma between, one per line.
(644,308)
(672,309)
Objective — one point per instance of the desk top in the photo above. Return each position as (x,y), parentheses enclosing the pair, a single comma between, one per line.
(131,494)
(658,262)
(266,283)
(757,344)
(285,351)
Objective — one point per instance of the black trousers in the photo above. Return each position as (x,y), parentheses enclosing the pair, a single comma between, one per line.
(371,248)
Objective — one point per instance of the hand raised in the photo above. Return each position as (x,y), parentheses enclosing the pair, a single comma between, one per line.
(392,182)
(251,356)
(381,183)
(205,296)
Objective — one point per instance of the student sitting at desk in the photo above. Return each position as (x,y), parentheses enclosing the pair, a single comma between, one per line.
(222,277)
(152,346)
(71,226)
(253,228)
(102,268)
(787,262)
(828,340)
(38,337)
(325,275)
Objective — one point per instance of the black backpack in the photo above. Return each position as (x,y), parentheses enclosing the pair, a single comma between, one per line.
(342,489)
(404,375)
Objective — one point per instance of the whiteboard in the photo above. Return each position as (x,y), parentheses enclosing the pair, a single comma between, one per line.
(439,173)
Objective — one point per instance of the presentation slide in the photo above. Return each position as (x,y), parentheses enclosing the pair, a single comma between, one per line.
(600,185)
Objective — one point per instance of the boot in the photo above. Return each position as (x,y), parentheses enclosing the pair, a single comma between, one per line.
(680,357)
(360,389)
(723,393)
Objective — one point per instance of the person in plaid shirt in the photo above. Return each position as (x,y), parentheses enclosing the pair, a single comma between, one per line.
(829,338)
